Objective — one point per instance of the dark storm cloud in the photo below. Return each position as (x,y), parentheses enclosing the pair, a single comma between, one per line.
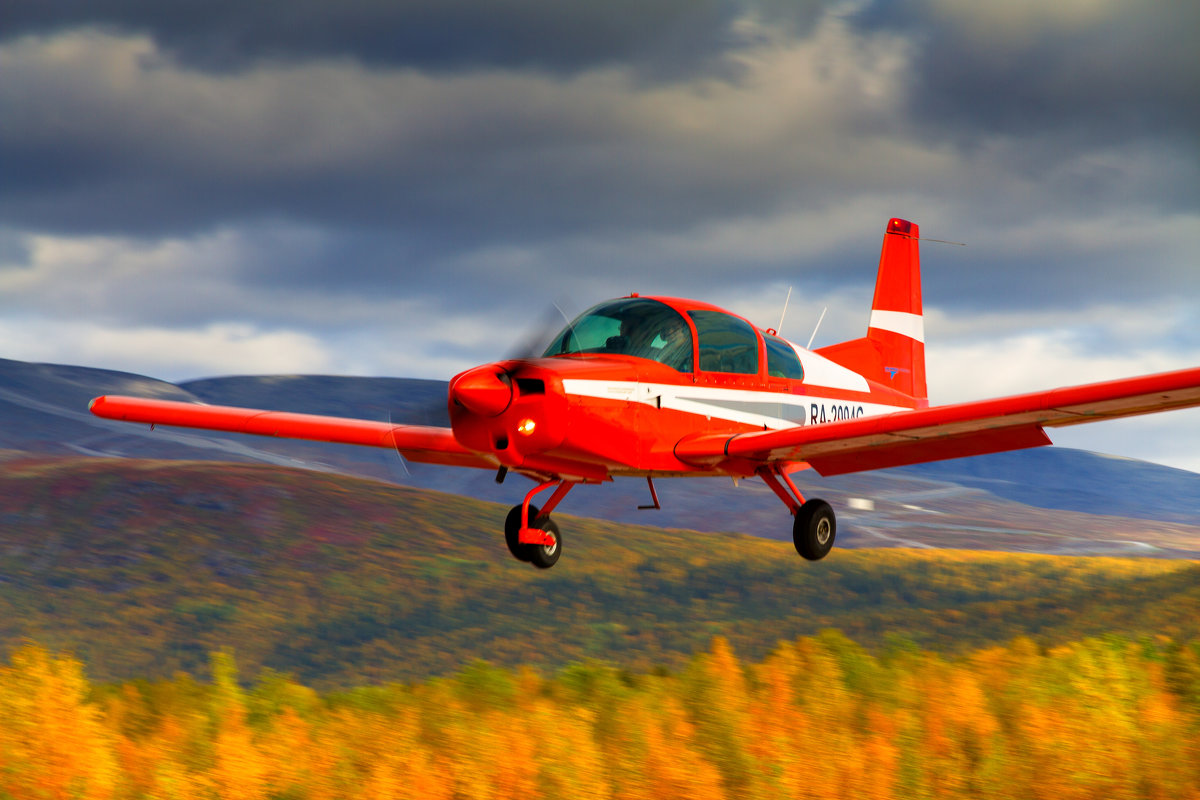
(457,163)
(427,34)
(1086,72)
(502,180)
(105,134)
(161,155)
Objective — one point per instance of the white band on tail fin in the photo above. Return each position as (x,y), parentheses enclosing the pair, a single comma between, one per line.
(903,323)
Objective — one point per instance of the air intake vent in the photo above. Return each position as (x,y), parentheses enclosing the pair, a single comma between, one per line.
(531,386)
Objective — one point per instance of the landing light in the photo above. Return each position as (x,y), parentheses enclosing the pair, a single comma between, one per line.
(526,426)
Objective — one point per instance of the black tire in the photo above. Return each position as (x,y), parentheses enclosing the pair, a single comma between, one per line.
(512,531)
(814,530)
(545,556)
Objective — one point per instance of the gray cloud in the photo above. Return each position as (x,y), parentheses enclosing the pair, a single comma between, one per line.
(1093,72)
(108,133)
(412,162)
(427,34)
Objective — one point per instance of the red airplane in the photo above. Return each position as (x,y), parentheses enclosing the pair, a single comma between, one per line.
(663,387)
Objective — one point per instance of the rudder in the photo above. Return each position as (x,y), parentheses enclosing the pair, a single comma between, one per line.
(893,351)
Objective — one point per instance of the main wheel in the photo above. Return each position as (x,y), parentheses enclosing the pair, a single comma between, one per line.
(512,532)
(814,529)
(545,556)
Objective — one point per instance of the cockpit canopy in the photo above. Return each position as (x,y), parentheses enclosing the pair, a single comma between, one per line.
(648,328)
(631,326)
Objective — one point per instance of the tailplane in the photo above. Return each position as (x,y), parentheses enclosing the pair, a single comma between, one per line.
(893,351)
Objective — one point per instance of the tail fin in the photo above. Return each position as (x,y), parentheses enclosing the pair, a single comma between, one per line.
(893,351)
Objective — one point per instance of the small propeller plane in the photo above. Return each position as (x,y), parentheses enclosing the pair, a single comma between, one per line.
(655,387)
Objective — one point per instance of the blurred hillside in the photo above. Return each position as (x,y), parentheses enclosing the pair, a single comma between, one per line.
(142,568)
(1005,501)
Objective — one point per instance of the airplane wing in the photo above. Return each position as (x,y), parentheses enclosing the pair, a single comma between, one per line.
(415,442)
(941,432)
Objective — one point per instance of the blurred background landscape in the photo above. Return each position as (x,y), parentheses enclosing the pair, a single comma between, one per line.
(207,615)
(343,565)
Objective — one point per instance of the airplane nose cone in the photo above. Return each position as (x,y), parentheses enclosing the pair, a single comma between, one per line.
(483,391)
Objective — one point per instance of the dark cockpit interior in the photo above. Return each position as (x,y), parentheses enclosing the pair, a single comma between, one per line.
(631,326)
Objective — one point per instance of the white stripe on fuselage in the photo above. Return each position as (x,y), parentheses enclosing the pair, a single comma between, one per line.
(772,410)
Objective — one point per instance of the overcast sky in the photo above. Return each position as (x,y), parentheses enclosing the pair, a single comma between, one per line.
(404,188)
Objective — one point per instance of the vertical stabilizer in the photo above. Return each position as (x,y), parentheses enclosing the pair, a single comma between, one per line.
(893,351)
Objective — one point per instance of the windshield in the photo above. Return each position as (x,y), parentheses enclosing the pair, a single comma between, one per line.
(632,326)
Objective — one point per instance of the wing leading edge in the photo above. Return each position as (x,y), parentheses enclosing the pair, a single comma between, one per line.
(941,432)
(415,442)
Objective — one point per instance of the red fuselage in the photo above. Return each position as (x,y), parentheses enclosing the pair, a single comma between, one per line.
(595,412)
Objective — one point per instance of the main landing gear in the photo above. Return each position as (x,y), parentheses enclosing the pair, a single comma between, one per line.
(813,530)
(530,533)
(815,525)
(533,537)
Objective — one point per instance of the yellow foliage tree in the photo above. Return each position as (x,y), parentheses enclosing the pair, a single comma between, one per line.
(818,718)
(239,771)
(53,741)
(674,769)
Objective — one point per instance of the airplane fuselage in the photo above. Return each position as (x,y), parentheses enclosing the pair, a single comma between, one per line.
(597,415)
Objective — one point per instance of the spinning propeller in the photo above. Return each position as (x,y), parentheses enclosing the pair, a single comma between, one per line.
(488,390)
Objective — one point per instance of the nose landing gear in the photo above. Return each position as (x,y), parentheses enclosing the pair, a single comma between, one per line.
(530,534)
(543,552)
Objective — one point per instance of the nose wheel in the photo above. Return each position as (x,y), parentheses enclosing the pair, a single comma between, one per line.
(544,552)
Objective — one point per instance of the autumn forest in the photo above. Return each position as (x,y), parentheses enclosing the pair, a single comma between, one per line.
(817,718)
(187,631)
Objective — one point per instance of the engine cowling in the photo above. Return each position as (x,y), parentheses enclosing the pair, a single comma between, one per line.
(514,410)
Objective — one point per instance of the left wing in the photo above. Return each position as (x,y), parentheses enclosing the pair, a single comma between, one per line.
(953,431)
(415,442)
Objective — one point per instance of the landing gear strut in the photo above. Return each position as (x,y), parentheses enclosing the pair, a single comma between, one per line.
(815,525)
(530,534)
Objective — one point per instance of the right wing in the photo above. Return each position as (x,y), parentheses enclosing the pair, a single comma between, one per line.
(940,432)
(420,443)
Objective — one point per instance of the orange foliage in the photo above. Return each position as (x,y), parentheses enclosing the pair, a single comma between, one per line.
(818,718)
(53,742)
(673,767)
